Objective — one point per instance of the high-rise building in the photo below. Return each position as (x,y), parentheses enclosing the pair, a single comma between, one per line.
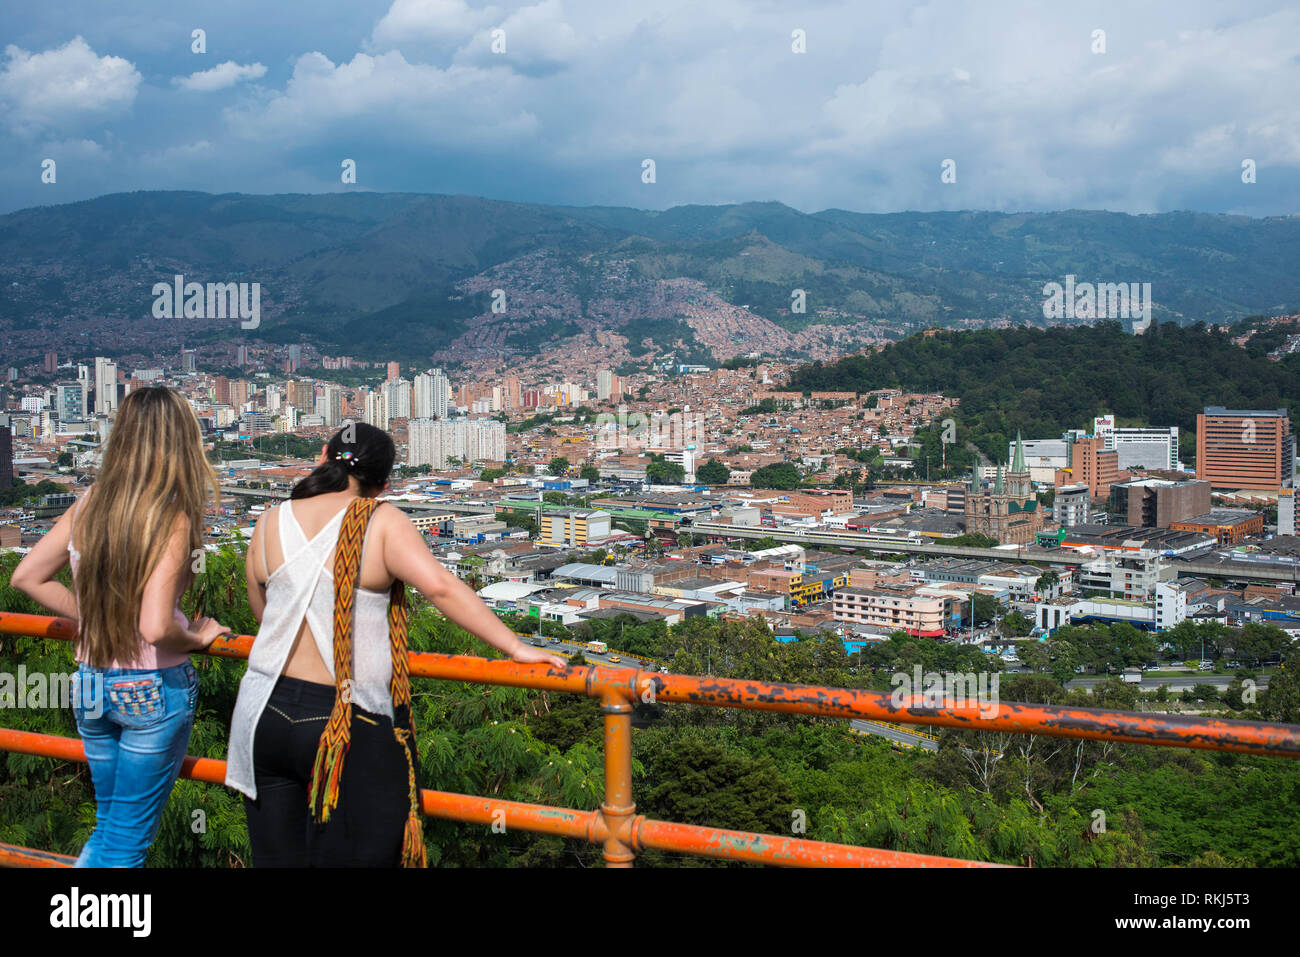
(1071,505)
(51,362)
(240,390)
(70,401)
(397,393)
(1245,448)
(1090,464)
(375,405)
(435,441)
(1156,503)
(6,457)
(295,359)
(1286,512)
(430,395)
(1145,448)
(329,405)
(300,394)
(514,393)
(105,385)
(394,370)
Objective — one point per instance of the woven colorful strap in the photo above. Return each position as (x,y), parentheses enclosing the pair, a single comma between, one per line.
(327,771)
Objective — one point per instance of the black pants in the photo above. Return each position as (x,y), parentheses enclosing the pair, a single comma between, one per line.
(367,826)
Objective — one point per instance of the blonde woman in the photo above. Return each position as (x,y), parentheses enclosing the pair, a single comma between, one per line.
(130,541)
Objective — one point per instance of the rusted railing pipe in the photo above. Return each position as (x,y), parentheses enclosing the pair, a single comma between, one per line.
(11,855)
(1217,734)
(593,826)
(618,807)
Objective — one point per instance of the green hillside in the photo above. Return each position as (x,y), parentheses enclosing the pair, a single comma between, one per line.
(1042,382)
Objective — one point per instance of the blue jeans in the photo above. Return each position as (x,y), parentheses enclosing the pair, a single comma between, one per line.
(135,725)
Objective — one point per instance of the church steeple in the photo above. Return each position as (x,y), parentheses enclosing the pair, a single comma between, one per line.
(975,474)
(997,484)
(1018,462)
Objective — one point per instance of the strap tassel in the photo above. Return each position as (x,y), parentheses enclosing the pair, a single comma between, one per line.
(335,740)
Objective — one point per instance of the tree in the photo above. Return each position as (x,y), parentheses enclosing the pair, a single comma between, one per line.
(1047,581)
(972,540)
(590,473)
(783,476)
(713,472)
(1016,625)
(1281,701)
(559,466)
(64,460)
(665,473)
(984,607)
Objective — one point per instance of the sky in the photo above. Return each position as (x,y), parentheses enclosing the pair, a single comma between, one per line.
(885,106)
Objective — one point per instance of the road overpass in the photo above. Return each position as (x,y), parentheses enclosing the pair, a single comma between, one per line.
(1242,571)
(406,506)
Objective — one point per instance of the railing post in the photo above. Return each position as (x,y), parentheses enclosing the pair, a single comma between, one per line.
(618,806)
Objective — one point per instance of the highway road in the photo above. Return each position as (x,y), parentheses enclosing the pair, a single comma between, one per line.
(1180,683)
(893,734)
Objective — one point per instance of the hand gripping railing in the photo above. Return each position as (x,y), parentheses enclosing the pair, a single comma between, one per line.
(617,827)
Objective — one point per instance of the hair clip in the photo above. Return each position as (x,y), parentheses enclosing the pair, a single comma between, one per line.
(348,457)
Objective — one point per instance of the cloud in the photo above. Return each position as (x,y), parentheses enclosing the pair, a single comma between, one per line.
(537,39)
(65,87)
(389,98)
(220,77)
(713,92)
(440,23)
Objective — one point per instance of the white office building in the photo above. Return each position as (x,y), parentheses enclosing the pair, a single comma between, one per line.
(105,385)
(397,393)
(430,395)
(1138,447)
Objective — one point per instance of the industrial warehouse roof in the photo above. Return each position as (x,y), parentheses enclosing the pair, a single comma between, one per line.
(582,571)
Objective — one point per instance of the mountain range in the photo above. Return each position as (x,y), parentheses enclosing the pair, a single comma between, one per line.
(414,275)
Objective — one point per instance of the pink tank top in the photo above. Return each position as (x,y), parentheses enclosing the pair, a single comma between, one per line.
(150,657)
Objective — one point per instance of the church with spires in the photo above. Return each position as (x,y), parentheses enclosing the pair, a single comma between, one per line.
(1008,510)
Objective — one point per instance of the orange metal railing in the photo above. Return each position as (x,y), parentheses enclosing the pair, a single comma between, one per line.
(615,824)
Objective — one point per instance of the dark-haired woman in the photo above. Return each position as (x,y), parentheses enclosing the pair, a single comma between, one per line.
(285,745)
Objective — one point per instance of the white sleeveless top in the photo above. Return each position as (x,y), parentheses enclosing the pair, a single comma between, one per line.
(304,587)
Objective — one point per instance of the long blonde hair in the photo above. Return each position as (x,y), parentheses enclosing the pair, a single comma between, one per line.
(153,475)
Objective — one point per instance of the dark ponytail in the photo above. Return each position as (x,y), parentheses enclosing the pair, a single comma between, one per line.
(357,450)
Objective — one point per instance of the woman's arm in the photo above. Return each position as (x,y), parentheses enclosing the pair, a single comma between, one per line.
(409,559)
(159,624)
(34,575)
(253,568)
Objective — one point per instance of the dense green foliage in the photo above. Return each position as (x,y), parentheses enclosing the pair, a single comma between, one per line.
(783,475)
(713,472)
(1034,804)
(1042,382)
(20,492)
